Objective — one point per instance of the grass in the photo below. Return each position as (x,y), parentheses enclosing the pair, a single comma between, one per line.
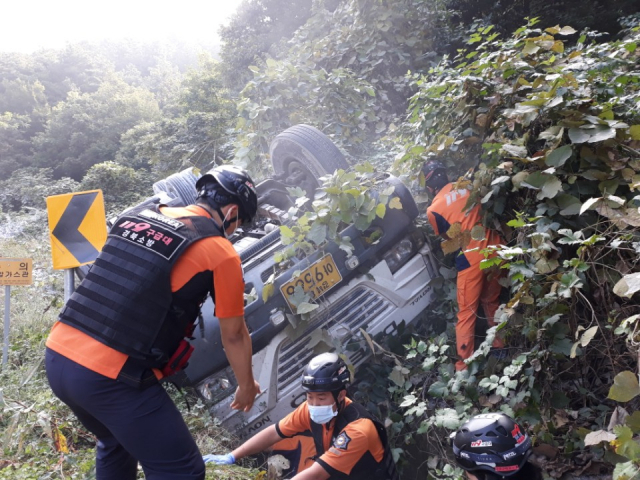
(39,436)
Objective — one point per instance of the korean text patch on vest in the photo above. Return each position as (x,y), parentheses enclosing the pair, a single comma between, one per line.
(159,238)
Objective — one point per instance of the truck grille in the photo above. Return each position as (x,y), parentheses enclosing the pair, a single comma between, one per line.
(356,310)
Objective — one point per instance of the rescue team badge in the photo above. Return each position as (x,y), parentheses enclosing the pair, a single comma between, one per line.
(342,441)
(153,236)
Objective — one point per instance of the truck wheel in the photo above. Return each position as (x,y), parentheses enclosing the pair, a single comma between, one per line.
(302,154)
(180,185)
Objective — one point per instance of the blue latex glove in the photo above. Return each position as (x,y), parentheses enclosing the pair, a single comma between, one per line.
(227,459)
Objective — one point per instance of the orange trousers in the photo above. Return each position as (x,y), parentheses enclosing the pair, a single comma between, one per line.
(475,287)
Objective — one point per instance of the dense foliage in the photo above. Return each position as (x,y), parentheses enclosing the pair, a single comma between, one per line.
(550,137)
(542,125)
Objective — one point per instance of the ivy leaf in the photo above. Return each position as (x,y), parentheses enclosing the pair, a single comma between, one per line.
(625,387)
(588,336)
(317,234)
(267,291)
(579,135)
(397,377)
(395,203)
(447,418)
(588,204)
(634,130)
(559,156)
(501,179)
(550,188)
(602,133)
(296,192)
(626,471)
(306,307)
(408,400)
(633,421)
(286,232)
(381,209)
(627,285)
(515,150)
(594,438)
(568,204)
(567,30)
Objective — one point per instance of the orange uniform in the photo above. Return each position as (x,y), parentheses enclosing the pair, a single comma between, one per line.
(475,286)
(214,254)
(344,450)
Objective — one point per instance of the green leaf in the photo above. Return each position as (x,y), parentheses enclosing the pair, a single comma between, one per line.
(627,285)
(447,418)
(634,131)
(594,438)
(625,387)
(267,291)
(306,307)
(588,335)
(588,204)
(381,209)
(317,234)
(395,203)
(287,232)
(559,156)
(397,377)
(633,422)
(602,133)
(569,205)
(626,471)
(550,188)
(566,31)
(515,150)
(579,135)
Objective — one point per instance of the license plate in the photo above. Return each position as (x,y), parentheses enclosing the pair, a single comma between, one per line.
(317,279)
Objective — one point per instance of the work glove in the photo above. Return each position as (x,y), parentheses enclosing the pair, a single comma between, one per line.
(227,459)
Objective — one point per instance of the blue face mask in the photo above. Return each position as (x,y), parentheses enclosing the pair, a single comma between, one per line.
(322,414)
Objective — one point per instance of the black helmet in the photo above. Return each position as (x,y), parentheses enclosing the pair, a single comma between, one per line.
(492,442)
(237,188)
(326,373)
(430,170)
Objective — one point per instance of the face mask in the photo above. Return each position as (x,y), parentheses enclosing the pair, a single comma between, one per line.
(322,414)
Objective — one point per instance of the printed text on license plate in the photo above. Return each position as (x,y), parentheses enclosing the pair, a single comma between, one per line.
(318,278)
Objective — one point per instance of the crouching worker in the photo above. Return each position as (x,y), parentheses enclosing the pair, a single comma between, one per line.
(349,442)
(492,446)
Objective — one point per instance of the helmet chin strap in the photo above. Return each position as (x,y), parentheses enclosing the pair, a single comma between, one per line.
(226,223)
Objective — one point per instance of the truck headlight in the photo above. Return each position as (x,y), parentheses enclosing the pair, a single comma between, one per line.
(218,386)
(404,250)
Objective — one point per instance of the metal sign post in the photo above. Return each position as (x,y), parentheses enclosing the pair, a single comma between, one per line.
(7,309)
(69,283)
(13,271)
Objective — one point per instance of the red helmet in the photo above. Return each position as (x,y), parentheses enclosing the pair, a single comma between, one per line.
(492,442)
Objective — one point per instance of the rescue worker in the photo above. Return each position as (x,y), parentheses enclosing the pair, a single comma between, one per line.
(126,325)
(474,286)
(349,442)
(492,446)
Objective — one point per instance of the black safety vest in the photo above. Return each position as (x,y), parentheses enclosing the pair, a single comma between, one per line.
(367,467)
(125,301)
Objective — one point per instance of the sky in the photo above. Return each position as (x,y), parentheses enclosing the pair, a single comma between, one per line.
(30,25)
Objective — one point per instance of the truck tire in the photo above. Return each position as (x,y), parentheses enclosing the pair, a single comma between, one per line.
(180,185)
(305,154)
